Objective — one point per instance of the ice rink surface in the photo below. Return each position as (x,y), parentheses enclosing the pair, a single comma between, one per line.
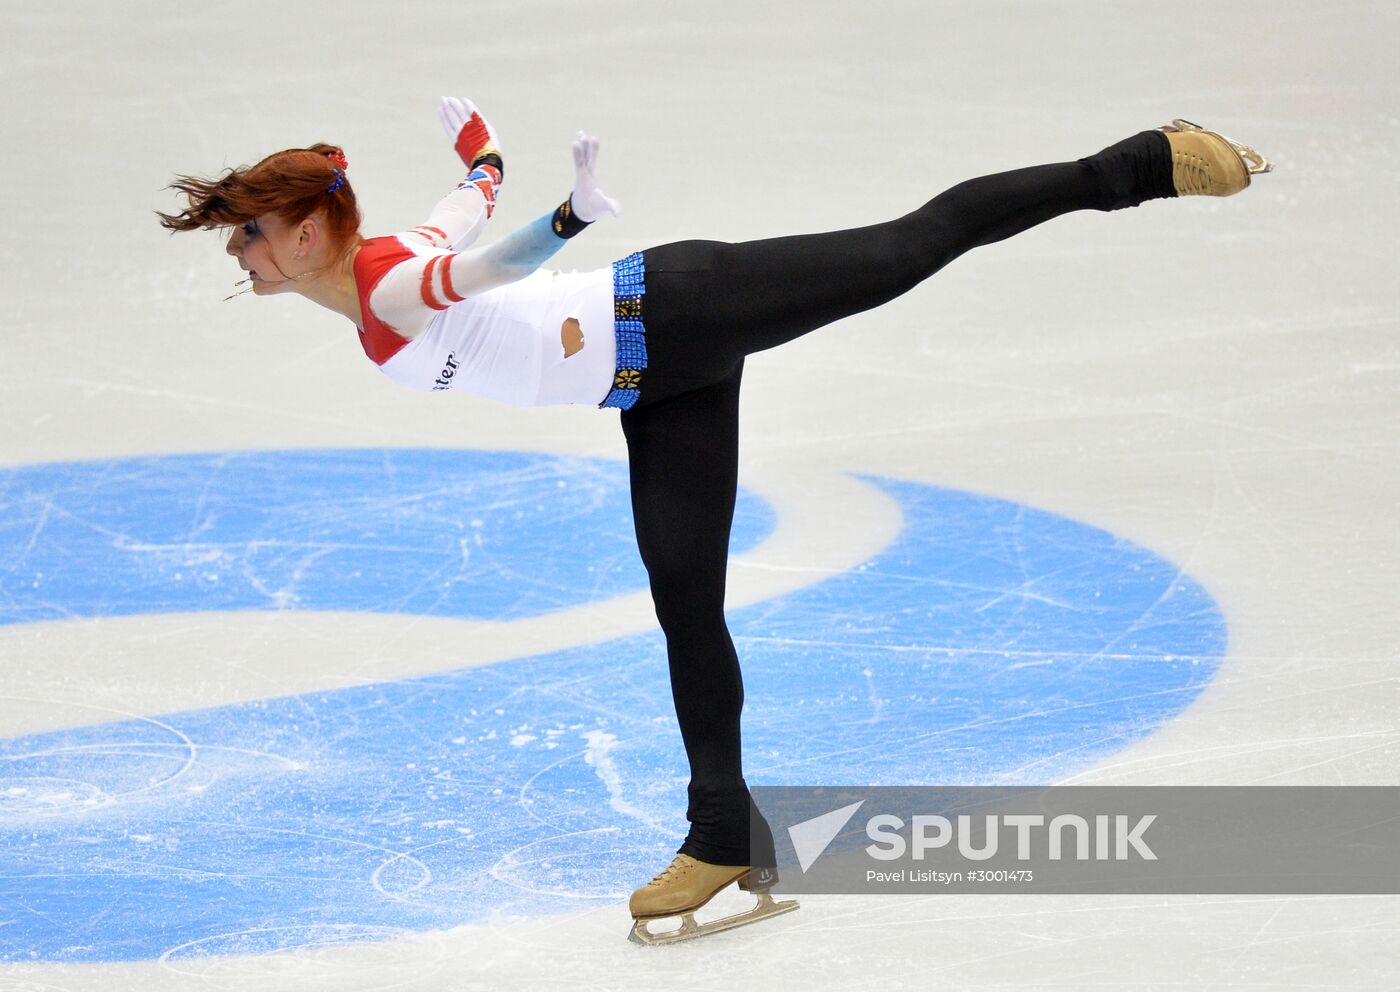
(310,682)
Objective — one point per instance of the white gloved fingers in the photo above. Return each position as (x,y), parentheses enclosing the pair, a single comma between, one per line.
(589,201)
(585,152)
(450,113)
(455,112)
(463,108)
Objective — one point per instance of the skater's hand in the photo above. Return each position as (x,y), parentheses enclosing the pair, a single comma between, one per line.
(471,135)
(589,202)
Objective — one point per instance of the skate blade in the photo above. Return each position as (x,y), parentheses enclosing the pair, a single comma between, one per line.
(1254,163)
(690,930)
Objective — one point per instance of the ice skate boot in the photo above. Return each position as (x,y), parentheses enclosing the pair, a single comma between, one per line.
(1205,163)
(686,885)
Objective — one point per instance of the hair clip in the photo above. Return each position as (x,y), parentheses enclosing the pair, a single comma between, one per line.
(339,182)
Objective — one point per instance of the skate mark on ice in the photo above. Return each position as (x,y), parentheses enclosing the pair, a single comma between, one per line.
(23,796)
(599,744)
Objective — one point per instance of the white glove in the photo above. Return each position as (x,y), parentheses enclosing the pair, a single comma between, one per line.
(589,202)
(469,132)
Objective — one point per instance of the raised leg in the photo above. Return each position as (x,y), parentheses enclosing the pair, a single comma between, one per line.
(708,303)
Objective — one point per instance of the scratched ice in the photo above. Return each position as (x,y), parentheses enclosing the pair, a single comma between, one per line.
(440,533)
(989,643)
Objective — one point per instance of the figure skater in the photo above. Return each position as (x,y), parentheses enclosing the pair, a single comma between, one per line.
(662,335)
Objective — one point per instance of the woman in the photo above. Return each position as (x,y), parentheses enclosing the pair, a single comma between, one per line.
(662,335)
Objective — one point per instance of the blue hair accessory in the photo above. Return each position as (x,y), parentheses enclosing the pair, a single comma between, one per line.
(339,180)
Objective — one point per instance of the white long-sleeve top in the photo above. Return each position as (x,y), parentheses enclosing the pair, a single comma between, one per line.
(437,317)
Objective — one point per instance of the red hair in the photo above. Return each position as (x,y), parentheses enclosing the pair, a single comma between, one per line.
(291,184)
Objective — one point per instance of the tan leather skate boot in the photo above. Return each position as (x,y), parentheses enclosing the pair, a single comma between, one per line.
(1205,163)
(686,885)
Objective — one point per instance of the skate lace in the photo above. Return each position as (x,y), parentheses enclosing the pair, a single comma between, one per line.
(675,868)
(1190,174)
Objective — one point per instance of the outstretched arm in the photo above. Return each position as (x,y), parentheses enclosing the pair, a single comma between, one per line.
(525,250)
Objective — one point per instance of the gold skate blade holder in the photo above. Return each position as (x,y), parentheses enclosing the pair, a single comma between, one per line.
(689,929)
(1254,163)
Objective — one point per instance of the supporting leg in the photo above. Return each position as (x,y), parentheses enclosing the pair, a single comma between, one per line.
(683,455)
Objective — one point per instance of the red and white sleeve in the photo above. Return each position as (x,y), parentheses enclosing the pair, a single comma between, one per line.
(457,220)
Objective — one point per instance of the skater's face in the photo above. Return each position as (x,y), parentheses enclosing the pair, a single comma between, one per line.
(270,251)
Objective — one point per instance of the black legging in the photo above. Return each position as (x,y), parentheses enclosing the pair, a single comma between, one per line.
(707,305)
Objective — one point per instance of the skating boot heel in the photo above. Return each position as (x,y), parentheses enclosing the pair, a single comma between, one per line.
(1206,163)
(759,881)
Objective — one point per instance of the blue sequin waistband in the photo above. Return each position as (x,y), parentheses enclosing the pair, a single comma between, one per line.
(629,286)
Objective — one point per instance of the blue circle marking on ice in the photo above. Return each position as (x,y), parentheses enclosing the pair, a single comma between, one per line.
(989,643)
(438,533)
